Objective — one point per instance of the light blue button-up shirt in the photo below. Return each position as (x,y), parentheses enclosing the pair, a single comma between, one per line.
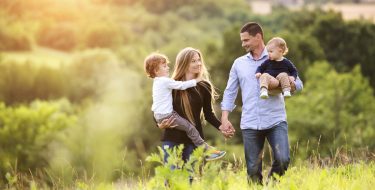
(257,113)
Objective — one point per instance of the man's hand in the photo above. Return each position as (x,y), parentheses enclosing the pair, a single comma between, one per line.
(228,132)
(257,75)
(167,123)
(226,126)
(291,78)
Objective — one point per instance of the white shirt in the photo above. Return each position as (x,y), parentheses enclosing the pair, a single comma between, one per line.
(162,93)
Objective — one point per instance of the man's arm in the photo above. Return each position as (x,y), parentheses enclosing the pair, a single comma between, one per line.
(227,105)
(298,84)
(292,69)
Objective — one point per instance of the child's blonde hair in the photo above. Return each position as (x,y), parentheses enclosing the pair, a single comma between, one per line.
(152,63)
(279,42)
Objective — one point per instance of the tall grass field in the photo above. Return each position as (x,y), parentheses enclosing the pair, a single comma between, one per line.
(226,174)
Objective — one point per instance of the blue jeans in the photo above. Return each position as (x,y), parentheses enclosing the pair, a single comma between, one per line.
(253,140)
(186,152)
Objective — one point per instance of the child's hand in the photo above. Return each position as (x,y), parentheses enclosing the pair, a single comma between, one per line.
(199,79)
(257,75)
(291,78)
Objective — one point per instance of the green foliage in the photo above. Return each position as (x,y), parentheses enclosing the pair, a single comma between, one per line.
(217,175)
(338,41)
(176,173)
(26,131)
(24,82)
(334,110)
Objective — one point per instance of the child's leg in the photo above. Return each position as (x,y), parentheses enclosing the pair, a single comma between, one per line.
(191,131)
(267,81)
(284,81)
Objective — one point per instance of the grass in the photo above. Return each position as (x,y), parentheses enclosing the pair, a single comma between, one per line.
(225,174)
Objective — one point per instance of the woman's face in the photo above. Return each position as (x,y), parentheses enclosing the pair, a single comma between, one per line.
(195,64)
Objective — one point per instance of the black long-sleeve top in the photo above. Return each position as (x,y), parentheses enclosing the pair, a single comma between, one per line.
(200,99)
(274,68)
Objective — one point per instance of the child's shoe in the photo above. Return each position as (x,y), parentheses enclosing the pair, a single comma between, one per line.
(215,155)
(263,93)
(287,94)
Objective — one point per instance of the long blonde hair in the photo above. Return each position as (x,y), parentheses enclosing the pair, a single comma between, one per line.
(183,59)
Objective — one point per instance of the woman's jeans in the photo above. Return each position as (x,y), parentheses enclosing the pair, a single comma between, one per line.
(253,140)
(186,152)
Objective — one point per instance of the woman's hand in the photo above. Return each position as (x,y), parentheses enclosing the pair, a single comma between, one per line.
(167,123)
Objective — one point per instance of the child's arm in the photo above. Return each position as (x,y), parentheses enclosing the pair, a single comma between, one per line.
(181,85)
(261,69)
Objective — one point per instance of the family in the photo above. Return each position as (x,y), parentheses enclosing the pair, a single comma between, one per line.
(265,78)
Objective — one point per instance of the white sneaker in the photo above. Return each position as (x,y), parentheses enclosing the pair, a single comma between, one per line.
(264,94)
(287,94)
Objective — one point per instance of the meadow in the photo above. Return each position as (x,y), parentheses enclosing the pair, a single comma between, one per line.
(342,172)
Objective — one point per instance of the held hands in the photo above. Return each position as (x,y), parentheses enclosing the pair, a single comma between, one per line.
(227,129)
(167,123)
(257,75)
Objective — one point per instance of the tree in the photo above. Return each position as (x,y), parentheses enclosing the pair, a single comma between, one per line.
(334,110)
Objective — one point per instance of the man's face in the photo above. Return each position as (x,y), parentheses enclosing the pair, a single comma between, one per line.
(249,43)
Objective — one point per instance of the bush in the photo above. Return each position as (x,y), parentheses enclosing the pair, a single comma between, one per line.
(26,131)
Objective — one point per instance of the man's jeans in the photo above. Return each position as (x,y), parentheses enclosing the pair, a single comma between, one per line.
(253,140)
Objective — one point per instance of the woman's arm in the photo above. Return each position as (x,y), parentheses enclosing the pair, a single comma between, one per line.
(208,112)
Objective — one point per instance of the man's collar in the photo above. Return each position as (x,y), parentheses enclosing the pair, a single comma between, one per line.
(264,54)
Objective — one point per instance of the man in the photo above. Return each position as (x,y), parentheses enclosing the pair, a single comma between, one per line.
(261,118)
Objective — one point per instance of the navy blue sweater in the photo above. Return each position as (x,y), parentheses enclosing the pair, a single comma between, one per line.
(274,68)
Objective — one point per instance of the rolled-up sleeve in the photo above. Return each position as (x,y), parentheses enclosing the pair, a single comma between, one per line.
(299,84)
(231,91)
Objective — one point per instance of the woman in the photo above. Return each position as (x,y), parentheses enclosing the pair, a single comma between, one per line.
(191,102)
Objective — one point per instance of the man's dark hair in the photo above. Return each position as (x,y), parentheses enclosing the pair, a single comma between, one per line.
(252,28)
